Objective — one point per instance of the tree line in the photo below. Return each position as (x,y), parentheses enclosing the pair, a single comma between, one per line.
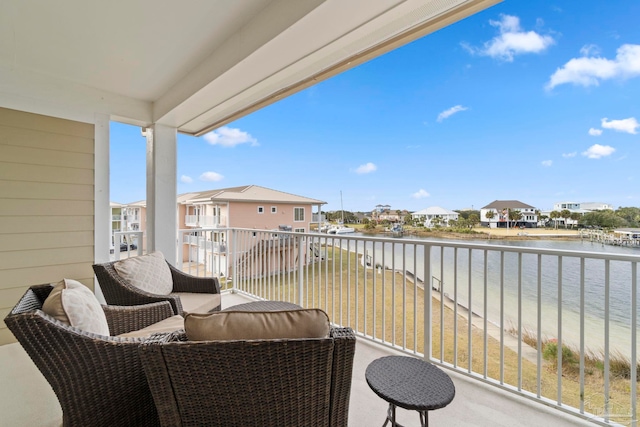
(621,217)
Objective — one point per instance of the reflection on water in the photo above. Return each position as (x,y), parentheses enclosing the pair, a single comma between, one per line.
(542,280)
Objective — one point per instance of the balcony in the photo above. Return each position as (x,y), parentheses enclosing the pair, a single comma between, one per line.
(205,221)
(555,326)
(30,400)
(490,318)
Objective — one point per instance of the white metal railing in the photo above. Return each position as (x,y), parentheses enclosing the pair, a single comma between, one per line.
(555,326)
(130,243)
(203,251)
(205,221)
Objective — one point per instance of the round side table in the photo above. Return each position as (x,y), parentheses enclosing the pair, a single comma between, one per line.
(409,383)
(264,306)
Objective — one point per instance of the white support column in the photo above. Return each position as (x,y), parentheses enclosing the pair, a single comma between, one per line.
(101,203)
(162,216)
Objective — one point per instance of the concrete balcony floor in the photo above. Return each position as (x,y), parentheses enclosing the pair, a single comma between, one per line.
(26,399)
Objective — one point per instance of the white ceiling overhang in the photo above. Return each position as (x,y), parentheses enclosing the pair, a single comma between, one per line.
(194,65)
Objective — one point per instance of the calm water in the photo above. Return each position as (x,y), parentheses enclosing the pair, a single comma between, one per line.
(464,282)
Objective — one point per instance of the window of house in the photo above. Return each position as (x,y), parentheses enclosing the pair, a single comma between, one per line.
(274,209)
(260,209)
(298,214)
(298,230)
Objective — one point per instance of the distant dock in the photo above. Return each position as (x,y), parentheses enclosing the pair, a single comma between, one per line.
(621,237)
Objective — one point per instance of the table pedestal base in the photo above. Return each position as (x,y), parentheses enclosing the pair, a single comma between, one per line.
(391,416)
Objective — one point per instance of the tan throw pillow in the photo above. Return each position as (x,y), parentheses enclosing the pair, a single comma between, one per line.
(74,304)
(147,272)
(256,325)
(170,324)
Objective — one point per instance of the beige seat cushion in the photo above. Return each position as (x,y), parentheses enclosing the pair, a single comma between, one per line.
(148,272)
(170,324)
(198,303)
(74,304)
(256,325)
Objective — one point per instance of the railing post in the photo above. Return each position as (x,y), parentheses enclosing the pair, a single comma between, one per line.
(300,265)
(234,265)
(179,257)
(428,296)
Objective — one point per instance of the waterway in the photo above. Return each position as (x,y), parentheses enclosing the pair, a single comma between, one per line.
(509,274)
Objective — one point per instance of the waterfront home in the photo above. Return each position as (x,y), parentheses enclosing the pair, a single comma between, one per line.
(575,207)
(386,214)
(499,214)
(249,206)
(435,215)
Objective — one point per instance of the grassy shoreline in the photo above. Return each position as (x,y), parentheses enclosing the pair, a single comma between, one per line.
(369,302)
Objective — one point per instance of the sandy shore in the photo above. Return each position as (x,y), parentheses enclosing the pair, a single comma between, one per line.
(533,232)
(495,233)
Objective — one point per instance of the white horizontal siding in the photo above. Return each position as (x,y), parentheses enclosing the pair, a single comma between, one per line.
(46,204)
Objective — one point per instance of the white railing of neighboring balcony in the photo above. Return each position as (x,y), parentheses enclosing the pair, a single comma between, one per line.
(204,221)
(485,300)
(129,243)
(203,251)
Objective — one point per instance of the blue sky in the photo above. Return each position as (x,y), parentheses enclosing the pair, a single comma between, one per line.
(534,101)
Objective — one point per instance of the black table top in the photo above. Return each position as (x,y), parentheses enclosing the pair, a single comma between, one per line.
(264,306)
(410,383)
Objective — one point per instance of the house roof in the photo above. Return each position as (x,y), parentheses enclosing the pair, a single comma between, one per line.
(198,65)
(247,193)
(435,210)
(507,204)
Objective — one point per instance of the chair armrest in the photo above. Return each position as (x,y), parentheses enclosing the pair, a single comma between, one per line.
(183,282)
(123,319)
(341,375)
(118,292)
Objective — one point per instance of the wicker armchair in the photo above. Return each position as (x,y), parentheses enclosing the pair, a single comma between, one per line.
(99,381)
(118,291)
(291,382)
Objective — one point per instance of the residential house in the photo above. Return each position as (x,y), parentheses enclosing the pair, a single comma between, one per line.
(575,207)
(249,206)
(384,213)
(435,215)
(498,214)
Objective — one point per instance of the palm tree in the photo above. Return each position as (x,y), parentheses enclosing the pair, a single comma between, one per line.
(576,217)
(565,214)
(515,216)
(554,215)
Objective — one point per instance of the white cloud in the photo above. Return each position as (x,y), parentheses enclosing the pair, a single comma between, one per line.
(366,168)
(629,125)
(186,179)
(211,176)
(589,50)
(590,70)
(229,137)
(569,155)
(597,151)
(512,40)
(547,163)
(420,194)
(450,112)
(595,132)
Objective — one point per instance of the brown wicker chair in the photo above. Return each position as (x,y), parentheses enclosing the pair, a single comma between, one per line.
(118,291)
(291,382)
(99,381)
